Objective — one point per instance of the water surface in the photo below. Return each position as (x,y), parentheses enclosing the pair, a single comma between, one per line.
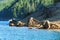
(24,33)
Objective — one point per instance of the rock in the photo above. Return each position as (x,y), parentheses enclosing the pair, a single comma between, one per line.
(33,23)
(20,23)
(12,22)
(46,24)
(50,25)
(54,26)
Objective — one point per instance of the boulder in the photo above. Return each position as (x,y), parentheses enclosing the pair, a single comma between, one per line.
(12,22)
(46,24)
(32,22)
(50,25)
(54,26)
(19,23)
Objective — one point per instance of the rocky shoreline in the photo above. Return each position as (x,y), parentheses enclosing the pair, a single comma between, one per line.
(32,22)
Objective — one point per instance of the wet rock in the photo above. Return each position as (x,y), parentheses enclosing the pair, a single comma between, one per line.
(12,22)
(46,24)
(33,23)
(54,26)
(50,25)
(19,23)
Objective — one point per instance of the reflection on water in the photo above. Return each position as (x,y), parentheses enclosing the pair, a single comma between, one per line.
(23,33)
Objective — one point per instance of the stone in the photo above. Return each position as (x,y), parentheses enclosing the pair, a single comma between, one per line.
(50,25)
(54,26)
(32,22)
(12,22)
(46,24)
(20,23)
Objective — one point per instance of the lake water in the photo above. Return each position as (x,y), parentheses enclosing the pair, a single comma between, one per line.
(24,33)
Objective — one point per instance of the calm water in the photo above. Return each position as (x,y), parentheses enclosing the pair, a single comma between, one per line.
(24,33)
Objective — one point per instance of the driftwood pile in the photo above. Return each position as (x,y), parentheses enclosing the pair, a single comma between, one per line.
(32,22)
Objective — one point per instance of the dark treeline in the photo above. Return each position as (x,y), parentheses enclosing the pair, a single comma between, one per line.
(22,8)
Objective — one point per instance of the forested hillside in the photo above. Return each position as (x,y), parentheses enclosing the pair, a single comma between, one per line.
(22,8)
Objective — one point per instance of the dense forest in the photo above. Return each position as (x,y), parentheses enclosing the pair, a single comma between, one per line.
(22,8)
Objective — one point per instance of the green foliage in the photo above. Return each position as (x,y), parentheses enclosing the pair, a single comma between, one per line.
(24,6)
(29,6)
(47,2)
(5,3)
